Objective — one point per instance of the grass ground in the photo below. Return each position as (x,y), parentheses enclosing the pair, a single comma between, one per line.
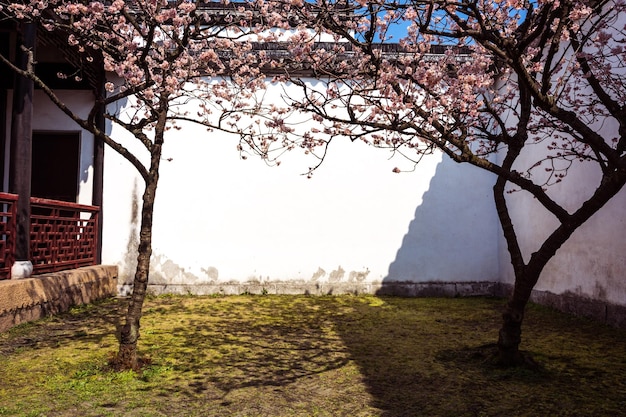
(311,356)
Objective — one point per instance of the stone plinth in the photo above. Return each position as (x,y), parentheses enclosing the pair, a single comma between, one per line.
(32,298)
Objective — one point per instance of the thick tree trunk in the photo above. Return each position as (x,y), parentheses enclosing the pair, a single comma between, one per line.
(510,335)
(527,274)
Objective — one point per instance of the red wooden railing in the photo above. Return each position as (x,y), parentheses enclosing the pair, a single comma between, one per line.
(62,235)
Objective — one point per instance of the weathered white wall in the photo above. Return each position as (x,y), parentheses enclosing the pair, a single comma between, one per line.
(592,262)
(47,117)
(219,218)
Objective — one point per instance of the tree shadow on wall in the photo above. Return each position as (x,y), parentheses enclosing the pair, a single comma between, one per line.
(454,234)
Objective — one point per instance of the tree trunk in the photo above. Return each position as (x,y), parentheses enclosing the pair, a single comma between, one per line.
(127,355)
(527,275)
(510,335)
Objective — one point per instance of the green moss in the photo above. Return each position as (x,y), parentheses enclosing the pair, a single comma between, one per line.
(311,356)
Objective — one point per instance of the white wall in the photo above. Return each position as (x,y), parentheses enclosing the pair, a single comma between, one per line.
(219,218)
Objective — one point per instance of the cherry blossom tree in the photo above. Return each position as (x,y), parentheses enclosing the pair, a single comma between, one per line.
(527,90)
(168,63)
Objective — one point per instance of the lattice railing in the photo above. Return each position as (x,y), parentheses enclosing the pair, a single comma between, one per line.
(62,235)
(7,232)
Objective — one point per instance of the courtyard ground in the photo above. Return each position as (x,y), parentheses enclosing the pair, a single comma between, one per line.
(311,356)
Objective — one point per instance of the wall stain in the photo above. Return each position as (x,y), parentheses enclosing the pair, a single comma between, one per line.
(600,292)
(336,275)
(164,271)
(318,274)
(358,276)
(130,258)
(211,272)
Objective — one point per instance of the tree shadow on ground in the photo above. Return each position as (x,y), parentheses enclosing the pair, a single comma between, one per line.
(226,348)
(427,359)
(396,344)
(90,323)
(406,352)
(328,356)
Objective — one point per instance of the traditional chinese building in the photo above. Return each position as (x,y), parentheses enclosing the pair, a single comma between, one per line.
(51,195)
(51,169)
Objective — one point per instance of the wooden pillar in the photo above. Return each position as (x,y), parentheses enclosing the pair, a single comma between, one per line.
(5,84)
(3,137)
(21,151)
(98,173)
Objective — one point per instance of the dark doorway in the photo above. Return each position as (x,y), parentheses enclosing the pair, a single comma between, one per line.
(55,165)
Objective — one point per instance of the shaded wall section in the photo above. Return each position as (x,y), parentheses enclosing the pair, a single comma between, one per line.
(454,234)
